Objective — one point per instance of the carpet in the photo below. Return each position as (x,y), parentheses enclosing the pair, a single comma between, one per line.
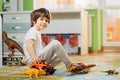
(103,62)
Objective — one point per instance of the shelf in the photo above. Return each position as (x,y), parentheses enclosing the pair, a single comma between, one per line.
(59,33)
(63,22)
(112,7)
(13,56)
(15,12)
(73,10)
(18,54)
(52,11)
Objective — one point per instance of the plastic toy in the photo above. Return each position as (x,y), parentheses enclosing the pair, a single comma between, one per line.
(11,44)
(43,65)
(111,72)
(82,69)
(33,72)
(83,66)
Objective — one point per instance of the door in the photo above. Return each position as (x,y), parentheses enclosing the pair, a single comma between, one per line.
(85,32)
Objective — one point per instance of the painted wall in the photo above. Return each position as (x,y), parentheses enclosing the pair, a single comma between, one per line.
(0,5)
(96,29)
(28,5)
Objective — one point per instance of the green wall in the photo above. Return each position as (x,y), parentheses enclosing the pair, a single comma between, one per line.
(28,5)
(96,29)
(0,5)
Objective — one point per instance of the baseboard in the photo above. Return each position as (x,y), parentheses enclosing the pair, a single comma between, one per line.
(111,49)
(95,51)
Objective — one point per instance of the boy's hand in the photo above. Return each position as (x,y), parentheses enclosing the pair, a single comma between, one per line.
(36,60)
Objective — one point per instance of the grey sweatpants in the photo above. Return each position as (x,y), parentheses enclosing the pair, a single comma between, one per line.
(54,53)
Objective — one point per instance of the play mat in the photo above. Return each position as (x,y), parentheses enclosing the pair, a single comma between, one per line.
(103,62)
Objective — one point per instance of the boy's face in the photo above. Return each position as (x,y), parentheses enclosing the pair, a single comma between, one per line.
(41,23)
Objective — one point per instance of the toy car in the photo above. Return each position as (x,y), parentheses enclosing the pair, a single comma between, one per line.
(43,65)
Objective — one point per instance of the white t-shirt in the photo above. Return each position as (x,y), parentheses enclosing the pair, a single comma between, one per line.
(32,34)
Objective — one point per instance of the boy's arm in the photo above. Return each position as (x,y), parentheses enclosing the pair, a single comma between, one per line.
(31,51)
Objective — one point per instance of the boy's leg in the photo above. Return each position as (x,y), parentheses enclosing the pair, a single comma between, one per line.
(54,52)
(54,61)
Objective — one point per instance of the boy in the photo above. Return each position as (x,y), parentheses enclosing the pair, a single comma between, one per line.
(53,53)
